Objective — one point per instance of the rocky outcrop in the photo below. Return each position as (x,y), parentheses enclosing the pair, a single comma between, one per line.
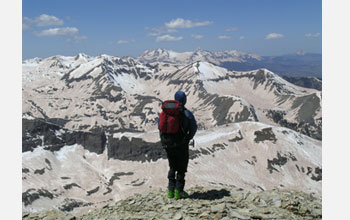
(29,196)
(307,82)
(134,149)
(312,129)
(204,203)
(39,132)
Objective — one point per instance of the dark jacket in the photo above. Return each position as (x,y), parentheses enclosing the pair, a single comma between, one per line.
(189,124)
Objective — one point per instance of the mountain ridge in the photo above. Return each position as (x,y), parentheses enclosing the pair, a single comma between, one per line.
(123,82)
(96,118)
(292,65)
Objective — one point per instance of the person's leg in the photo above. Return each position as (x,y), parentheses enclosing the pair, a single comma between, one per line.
(171,174)
(180,176)
(180,181)
(182,168)
(171,178)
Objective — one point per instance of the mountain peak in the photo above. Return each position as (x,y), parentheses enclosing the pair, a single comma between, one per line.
(185,58)
(81,56)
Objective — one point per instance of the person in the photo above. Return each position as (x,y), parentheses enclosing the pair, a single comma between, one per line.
(178,157)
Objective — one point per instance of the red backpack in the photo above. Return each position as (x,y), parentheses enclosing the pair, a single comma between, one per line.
(170,123)
(170,117)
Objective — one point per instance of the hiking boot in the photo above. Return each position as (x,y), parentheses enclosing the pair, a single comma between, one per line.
(170,194)
(180,195)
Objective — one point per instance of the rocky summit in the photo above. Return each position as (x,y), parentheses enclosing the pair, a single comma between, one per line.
(203,203)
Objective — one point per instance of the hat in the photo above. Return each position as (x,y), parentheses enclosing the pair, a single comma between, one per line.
(181,97)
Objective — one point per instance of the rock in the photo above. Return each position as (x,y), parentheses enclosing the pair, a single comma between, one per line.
(167,207)
(178,206)
(177,216)
(273,204)
(131,202)
(166,216)
(238,215)
(189,218)
(218,208)
(277,202)
(204,214)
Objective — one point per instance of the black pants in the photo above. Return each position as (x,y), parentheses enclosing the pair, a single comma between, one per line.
(178,162)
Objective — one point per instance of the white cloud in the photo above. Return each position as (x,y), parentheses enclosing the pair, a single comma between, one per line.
(224,37)
(156,31)
(312,35)
(241,37)
(43,20)
(231,29)
(125,41)
(122,42)
(182,23)
(67,31)
(76,38)
(168,37)
(197,36)
(273,36)
(25,27)
(80,37)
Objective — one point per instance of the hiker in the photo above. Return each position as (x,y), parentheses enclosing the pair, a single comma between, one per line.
(177,127)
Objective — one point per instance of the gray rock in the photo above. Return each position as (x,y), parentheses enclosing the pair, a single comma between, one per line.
(277,202)
(218,208)
(177,216)
(204,214)
(273,204)
(238,215)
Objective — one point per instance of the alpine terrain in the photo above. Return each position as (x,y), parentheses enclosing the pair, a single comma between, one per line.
(90,136)
(300,64)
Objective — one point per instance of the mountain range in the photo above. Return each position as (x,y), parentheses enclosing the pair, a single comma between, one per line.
(89,127)
(300,64)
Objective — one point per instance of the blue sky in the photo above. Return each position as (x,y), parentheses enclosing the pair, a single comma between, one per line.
(127,28)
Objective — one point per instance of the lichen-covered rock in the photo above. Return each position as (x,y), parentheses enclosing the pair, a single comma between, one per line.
(204,203)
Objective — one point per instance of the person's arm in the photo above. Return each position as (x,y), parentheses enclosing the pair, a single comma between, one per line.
(192,124)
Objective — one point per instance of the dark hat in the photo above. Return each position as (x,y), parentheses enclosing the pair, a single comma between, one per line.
(181,97)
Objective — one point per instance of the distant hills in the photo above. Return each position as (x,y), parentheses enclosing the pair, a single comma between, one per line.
(292,65)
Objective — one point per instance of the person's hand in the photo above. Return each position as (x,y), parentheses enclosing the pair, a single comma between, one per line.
(191,143)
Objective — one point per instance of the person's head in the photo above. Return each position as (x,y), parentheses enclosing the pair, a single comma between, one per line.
(181,97)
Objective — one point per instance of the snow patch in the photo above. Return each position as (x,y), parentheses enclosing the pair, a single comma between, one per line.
(65,151)
(209,71)
(204,139)
(37,152)
(83,69)
(128,83)
(27,116)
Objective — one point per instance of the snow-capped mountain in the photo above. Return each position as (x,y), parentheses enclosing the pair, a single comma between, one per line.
(170,56)
(96,118)
(292,65)
(120,94)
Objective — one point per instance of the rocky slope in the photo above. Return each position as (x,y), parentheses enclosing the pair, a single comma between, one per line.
(118,94)
(204,203)
(55,173)
(307,82)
